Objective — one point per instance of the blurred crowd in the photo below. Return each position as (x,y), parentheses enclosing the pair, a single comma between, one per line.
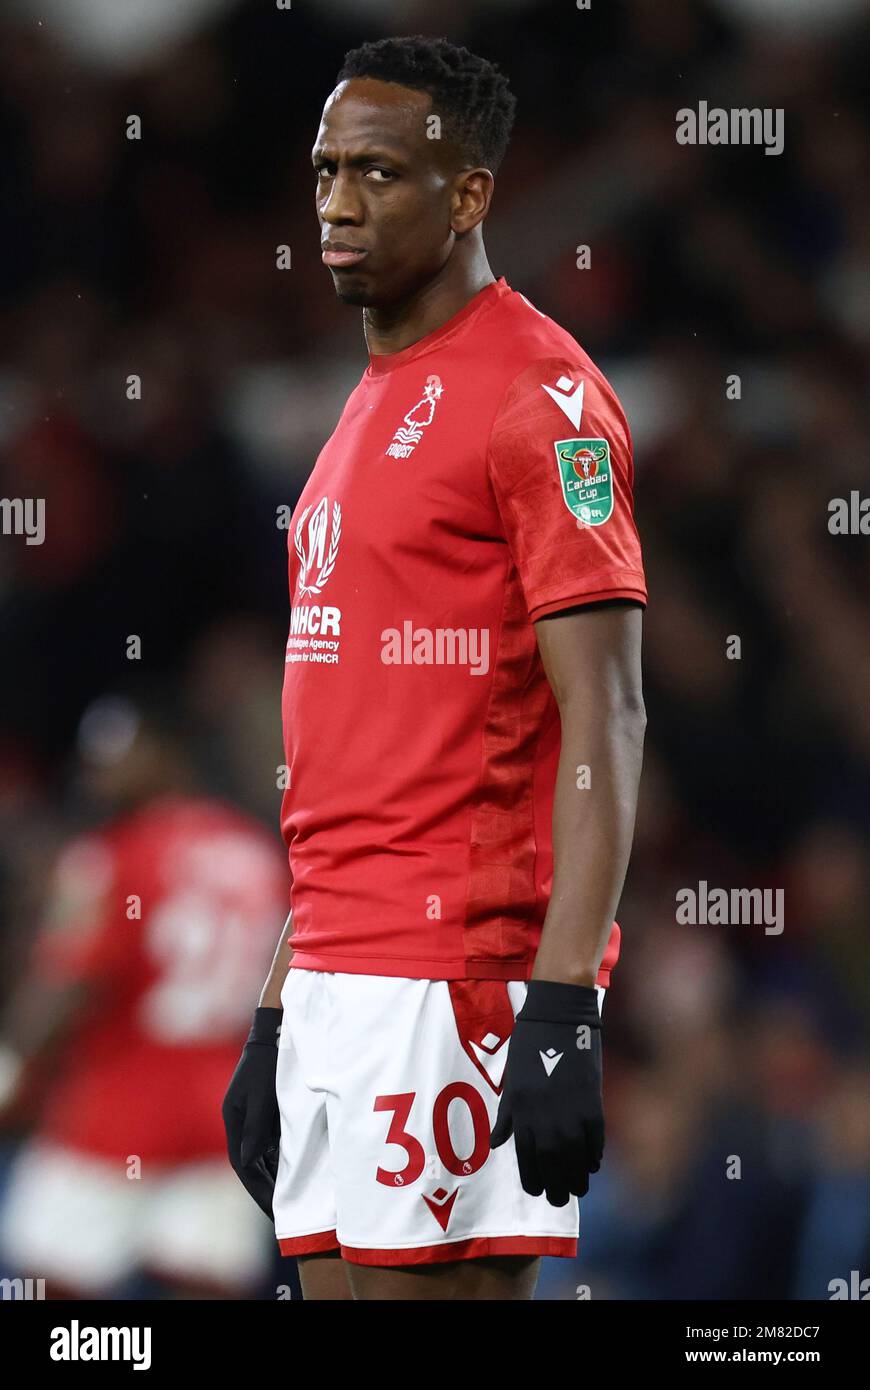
(157,257)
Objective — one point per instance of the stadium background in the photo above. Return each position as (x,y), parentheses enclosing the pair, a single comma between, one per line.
(158,256)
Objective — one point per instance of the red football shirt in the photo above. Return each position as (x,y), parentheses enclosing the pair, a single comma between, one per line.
(476,480)
(170,914)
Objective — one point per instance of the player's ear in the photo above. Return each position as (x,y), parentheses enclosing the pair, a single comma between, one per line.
(472,195)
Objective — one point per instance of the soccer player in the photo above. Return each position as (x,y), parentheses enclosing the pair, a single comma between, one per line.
(463,725)
(159,923)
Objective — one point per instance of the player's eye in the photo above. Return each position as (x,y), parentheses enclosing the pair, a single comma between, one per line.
(387,174)
(325,167)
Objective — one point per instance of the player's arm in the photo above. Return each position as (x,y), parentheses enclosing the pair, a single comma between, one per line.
(270,995)
(592,660)
(72,960)
(250,1109)
(552,1089)
(561,470)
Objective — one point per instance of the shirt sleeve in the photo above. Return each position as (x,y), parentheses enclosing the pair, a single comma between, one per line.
(560,464)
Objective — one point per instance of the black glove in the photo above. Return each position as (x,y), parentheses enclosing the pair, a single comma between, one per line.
(551,1094)
(250,1110)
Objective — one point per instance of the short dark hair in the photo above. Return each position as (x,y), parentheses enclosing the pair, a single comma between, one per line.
(470,94)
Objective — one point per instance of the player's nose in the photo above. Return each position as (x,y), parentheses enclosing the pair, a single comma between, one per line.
(342,203)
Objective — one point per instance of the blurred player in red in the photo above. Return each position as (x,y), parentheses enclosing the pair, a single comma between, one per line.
(158,925)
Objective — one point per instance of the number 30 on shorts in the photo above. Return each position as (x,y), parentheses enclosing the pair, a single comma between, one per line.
(461,1166)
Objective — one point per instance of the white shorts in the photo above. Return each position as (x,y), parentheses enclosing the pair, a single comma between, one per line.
(388,1089)
(78,1219)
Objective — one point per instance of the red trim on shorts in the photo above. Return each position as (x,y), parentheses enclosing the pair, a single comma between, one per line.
(473,1249)
(308,1245)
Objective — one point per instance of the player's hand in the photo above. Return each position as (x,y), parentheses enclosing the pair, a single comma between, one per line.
(250,1110)
(551,1094)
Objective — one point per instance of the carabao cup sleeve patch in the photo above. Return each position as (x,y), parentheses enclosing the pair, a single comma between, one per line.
(586,477)
(565,498)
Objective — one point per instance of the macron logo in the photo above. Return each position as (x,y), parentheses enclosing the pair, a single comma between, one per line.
(551,1059)
(568,398)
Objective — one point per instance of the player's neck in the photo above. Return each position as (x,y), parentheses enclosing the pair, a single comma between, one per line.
(393,327)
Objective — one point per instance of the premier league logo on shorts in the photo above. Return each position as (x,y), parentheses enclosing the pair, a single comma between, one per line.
(584,472)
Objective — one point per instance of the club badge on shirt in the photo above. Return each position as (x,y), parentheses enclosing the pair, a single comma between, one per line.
(418,419)
(585,474)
